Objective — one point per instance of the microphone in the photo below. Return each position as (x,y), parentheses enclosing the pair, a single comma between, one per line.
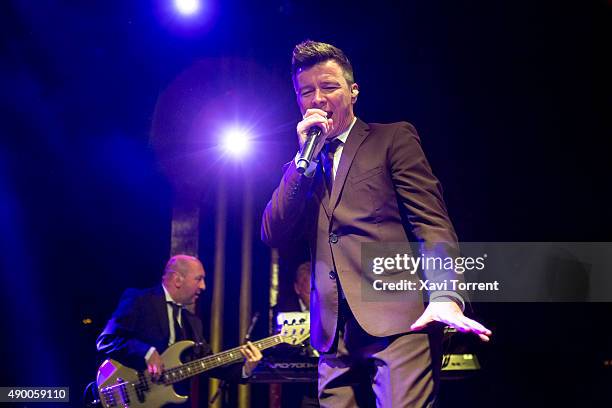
(312,139)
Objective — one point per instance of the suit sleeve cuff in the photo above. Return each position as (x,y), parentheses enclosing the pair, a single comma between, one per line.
(148,355)
(244,373)
(443,295)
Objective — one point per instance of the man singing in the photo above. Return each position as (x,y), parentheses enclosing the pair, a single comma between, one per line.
(368,183)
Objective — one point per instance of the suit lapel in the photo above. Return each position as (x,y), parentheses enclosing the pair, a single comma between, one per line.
(357,135)
(320,190)
(162,312)
(194,325)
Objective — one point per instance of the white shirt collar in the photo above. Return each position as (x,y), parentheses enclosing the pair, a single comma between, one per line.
(168,297)
(344,135)
(303,307)
(170,309)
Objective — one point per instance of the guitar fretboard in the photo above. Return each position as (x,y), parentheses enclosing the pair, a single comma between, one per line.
(182,372)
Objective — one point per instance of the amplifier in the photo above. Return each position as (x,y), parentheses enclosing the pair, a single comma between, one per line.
(285,370)
(304,369)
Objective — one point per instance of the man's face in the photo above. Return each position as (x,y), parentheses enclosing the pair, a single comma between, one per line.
(302,284)
(323,86)
(191,283)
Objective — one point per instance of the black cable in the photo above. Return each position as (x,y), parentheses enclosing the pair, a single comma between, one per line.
(92,400)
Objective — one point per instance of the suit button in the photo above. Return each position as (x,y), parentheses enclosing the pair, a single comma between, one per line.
(332,275)
(333,238)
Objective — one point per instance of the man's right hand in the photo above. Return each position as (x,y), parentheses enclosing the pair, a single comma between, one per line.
(314,117)
(155,365)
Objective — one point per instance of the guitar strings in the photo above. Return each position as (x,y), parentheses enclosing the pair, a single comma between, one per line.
(129,389)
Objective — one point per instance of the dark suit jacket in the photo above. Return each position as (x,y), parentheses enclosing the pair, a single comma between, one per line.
(141,321)
(384,191)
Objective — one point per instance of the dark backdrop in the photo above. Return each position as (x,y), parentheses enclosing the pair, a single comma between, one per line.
(511,100)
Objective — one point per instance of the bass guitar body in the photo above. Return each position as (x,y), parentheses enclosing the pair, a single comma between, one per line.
(121,386)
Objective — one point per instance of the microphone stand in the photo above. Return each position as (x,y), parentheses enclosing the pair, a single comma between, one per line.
(223,385)
(247,336)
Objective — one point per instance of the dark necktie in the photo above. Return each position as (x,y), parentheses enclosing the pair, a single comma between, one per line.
(179,331)
(329,149)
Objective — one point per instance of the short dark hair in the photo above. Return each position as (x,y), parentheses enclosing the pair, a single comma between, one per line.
(309,53)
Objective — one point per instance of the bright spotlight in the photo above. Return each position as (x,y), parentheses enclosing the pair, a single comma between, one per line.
(236,141)
(187,7)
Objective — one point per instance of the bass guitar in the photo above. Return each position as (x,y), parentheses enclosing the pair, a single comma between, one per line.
(122,387)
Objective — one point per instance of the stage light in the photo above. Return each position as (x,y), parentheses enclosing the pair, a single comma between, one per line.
(236,141)
(187,7)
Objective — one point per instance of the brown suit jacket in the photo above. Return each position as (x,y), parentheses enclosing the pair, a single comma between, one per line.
(384,191)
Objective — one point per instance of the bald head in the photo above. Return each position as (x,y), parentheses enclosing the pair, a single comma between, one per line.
(184,278)
(180,264)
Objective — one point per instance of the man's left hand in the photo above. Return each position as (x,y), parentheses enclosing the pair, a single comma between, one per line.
(252,357)
(449,313)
